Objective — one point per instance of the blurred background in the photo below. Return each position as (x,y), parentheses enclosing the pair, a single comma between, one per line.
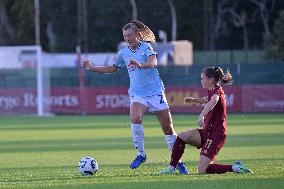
(43,42)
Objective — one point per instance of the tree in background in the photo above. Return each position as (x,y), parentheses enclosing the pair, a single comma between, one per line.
(208,25)
(174,19)
(82,25)
(274,43)
(205,23)
(17,22)
(134,10)
(239,20)
(264,12)
(7,34)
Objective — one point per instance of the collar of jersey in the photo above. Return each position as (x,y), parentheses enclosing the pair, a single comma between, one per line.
(136,48)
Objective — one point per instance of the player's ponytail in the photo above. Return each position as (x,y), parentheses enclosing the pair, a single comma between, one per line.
(143,31)
(227,78)
(218,75)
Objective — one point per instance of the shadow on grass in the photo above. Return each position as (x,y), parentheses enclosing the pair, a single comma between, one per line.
(164,182)
(126,143)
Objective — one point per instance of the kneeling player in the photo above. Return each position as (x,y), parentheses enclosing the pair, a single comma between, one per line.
(211,136)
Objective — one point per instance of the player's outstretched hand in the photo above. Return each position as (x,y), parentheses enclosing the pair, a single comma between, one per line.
(87,64)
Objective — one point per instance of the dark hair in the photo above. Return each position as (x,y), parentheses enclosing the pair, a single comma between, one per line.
(218,75)
(143,31)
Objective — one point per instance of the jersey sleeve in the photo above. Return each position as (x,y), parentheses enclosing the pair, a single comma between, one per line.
(119,62)
(149,50)
(217,91)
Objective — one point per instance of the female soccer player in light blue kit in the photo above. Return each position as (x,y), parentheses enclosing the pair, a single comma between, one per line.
(146,87)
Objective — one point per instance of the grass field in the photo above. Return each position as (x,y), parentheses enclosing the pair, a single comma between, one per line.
(44,153)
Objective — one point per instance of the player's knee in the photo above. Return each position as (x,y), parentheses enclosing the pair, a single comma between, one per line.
(182,135)
(136,120)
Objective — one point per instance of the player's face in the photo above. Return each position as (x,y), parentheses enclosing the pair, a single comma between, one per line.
(130,38)
(206,82)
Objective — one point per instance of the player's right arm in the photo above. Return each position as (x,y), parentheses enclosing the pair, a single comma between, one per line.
(87,65)
(195,100)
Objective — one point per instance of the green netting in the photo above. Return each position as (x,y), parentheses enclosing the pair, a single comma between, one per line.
(171,75)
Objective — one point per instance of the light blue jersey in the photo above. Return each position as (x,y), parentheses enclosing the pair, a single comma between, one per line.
(143,82)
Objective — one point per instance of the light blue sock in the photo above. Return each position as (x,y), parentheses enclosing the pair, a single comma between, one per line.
(171,140)
(138,138)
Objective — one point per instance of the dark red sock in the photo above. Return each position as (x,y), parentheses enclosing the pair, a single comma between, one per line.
(218,169)
(177,151)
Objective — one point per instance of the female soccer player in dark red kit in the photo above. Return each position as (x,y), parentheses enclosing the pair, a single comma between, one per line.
(211,135)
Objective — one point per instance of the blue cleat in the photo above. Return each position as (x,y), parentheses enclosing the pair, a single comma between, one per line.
(182,169)
(241,168)
(137,161)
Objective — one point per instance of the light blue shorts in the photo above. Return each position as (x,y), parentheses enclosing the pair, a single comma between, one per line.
(153,103)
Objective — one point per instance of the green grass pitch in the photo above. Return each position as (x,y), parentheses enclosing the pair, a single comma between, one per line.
(44,153)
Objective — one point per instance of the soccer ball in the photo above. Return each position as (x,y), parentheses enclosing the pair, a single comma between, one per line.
(88,166)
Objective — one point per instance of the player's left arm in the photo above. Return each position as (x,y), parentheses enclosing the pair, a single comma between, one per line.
(208,107)
(151,62)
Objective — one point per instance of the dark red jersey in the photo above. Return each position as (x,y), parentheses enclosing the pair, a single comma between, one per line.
(215,120)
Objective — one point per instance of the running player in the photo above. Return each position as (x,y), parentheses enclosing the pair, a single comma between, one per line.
(211,135)
(146,87)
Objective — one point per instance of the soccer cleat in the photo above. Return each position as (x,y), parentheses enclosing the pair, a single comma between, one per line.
(137,161)
(167,171)
(242,168)
(181,168)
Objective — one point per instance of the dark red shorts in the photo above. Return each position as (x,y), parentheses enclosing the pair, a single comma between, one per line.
(211,143)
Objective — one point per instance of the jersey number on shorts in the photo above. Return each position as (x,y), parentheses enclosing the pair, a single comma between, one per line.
(208,143)
(161,99)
